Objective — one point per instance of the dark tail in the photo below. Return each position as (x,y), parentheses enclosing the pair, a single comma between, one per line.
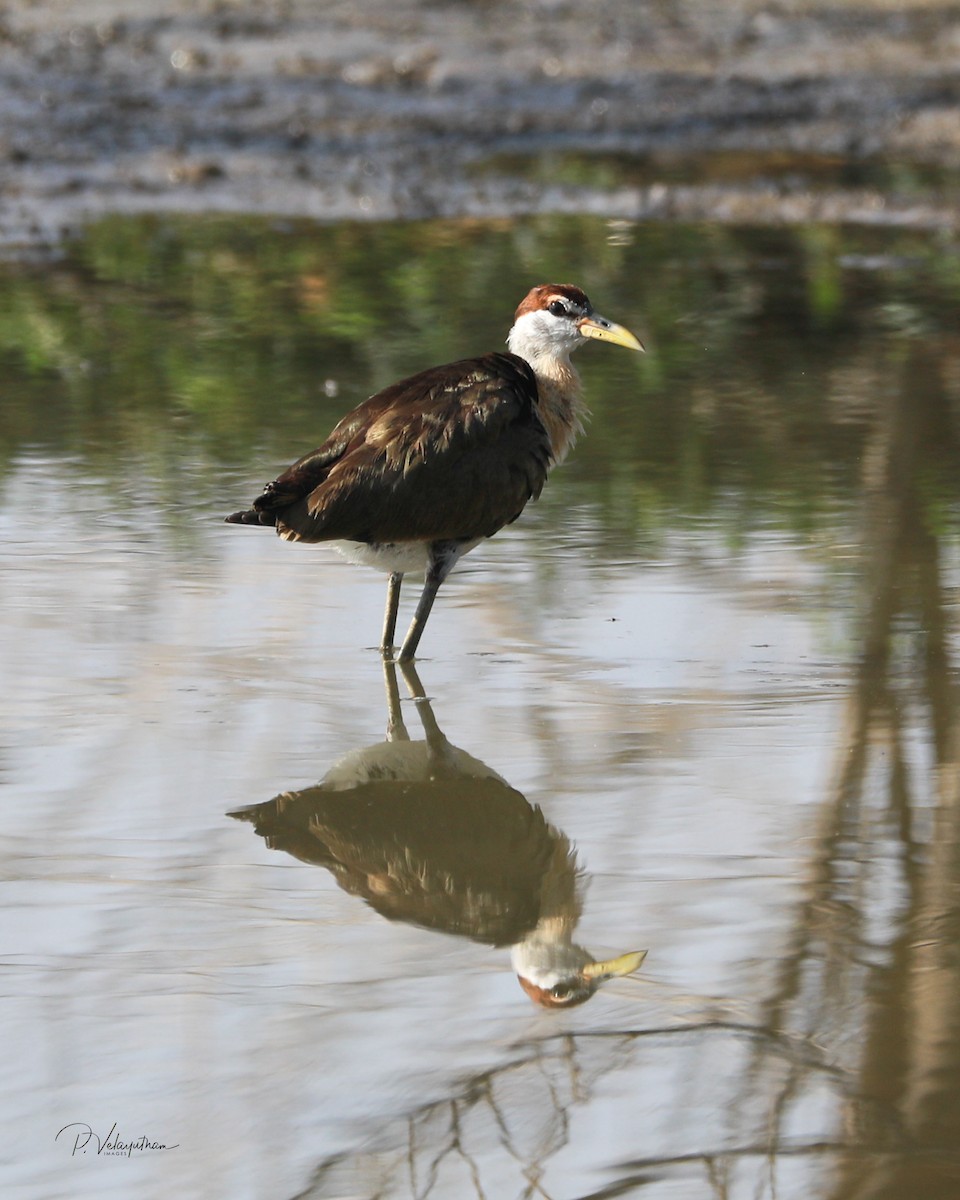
(251,516)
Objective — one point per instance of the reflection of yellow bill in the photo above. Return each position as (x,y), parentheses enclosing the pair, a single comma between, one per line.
(626,964)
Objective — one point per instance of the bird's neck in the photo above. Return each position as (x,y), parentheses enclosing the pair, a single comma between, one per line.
(560,405)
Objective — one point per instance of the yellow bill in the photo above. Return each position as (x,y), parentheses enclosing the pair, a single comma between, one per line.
(599,327)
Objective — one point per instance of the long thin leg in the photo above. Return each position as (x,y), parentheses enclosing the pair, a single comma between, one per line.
(443,556)
(390,616)
(417,625)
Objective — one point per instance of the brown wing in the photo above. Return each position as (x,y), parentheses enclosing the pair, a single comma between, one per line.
(452,453)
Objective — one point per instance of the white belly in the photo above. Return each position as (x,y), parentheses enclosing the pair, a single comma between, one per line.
(407,558)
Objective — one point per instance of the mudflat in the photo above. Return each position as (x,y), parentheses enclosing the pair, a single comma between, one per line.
(742,111)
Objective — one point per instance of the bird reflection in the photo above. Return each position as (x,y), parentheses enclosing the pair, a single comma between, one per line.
(429,835)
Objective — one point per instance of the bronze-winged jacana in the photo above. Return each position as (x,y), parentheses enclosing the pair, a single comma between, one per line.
(423,471)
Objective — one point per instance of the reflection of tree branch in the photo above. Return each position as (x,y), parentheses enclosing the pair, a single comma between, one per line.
(558,1072)
(530,1173)
(913,1017)
(459,1148)
(905,989)
(772,1041)
(858,1148)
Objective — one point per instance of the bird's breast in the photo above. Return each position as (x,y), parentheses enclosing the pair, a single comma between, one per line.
(562,411)
(407,558)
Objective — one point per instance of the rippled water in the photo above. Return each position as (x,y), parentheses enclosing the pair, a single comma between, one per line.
(700,700)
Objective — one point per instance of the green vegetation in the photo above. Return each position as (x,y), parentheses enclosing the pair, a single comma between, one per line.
(165,348)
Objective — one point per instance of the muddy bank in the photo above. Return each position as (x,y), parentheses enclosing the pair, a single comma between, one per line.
(743,111)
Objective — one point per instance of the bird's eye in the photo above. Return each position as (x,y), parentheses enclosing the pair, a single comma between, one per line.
(557,308)
(560,991)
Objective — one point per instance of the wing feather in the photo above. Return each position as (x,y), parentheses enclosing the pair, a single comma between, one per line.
(452,453)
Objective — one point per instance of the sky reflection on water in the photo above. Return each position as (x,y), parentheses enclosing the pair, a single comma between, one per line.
(719,656)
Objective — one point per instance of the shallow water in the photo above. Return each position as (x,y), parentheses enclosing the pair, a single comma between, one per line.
(718,657)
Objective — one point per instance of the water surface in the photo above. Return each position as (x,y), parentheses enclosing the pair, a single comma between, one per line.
(706,688)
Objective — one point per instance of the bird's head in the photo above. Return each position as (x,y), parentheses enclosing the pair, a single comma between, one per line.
(554,319)
(562,975)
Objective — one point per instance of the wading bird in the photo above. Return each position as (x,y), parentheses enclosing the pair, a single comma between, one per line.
(423,471)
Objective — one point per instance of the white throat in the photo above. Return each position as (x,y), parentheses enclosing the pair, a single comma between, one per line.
(547,345)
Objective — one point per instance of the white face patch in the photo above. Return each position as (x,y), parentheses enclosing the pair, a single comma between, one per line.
(540,333)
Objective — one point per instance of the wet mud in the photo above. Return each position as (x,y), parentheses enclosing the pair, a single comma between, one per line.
(741,112)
